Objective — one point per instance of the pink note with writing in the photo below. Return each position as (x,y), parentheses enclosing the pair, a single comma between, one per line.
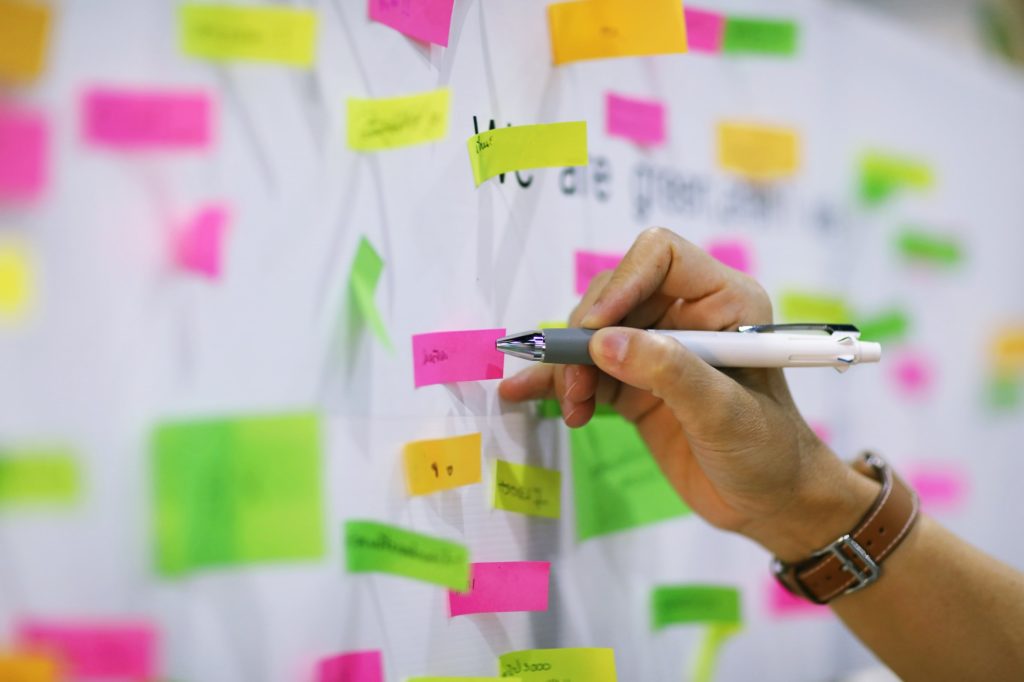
(96,650)
(941,487)
(199,245)
(427,20)
(589,264)
(733,252)
(134,119)
(912,373)
(503,586)
(447,357)
(24,144)
(639,120)
(355,666)
(782,603)
(704,30)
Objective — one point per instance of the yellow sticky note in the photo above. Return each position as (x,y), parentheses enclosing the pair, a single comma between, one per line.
(527,489)
(398,121)
(594,29)
(442,463)
(16,667)
(1009,349)
(17,281)
(800,306)
(535,146)
(563,665)
(553,324)
(234,33)
(24,33)
(758,152)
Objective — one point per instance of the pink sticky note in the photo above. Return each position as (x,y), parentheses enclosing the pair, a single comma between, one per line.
(427,20)
(941,487)
(821,430)
(93,651)
(733,252)
(912,373)
(134,119)
(781,603)
(23,153)
(355,666)
(199,245)
(639,120)
(446,357)
(704,30)
(591,263)
(503,586)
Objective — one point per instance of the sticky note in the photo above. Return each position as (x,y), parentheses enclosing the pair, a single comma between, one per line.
(589,264)
(147,119)
(684,604)
(799,306)
(503,587)
(24,149)
(1005,391)
(941,487)
(199,244)
(95,650)
(1008,349)
(442,463)
(38,476)
(502,150)
(550,409)
(447,357)
(228,33)
(367,267)
(617,485)
(912,373)
(28,667)
(704,662)
(920,246)
(736,253)
(704,29)
(527,489)
(354,666)
(17,280)
(888,325)
(372,547)
(388,123)
(754,35)
(821,430)
(462,679)
(564,665)
(426,20)
(24,34)
(584,29)
(758,152)
(781,603)
(239,490)
(882,174)
(639,120)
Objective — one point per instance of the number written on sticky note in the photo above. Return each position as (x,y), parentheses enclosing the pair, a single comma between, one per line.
(442,463)
(563,665)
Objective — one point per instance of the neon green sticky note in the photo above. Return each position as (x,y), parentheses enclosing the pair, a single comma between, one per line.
(1005,391)
(372,547)
(889,325)
(617,485)
(527,489)
(800,306)
(921,246)
(685,604)
(705,660)
(31,476)
(237,491)
(754,35)
(552,324)
(549,409)
(881,174)
(227,33)
(563,665)
(388,123)
(363,278)
(502,150)
(463,679)
(17,280)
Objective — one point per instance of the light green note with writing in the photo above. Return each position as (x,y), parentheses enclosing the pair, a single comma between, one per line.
(563,665)
(372,547)
(527,489)
(684,604)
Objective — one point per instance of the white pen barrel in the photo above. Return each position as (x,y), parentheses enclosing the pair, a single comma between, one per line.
(733,349)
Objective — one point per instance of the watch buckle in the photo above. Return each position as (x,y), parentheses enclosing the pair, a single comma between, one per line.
(846,550)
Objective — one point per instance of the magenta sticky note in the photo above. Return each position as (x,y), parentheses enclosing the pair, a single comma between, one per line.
(781,603)
(941,487)
(24,152)
(912,373)
(199,244)
(591,263)
(735,253)
(354,666)
(503,586)
(639,120)
(447,357)
(147,119)
(704,30)
(427,20)
(93,651)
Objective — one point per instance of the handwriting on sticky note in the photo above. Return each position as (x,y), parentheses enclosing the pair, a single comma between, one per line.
(799,306)
(564,665)
(520,147)
(527,489)
(17,280)
(913,373)
(372,547)
(227,33)
(754,35)
(883,174)
(134,119)
(922,246)
(736,253)
(199,244)
(781,603)
(391,122)
(1008,349)
(367,267)
(758,152)
(942,487)
(426,20)
(639,120)
(353,666)
(95,650)
(38,476)
(704,29)
(24,34)
(888,325)
(684,604)
(442,463)
(589,264)
(503,587)
(615,28)
(29,667)
(448,357)
(24,141)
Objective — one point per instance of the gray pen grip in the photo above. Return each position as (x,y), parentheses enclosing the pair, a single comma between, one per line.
(567,346)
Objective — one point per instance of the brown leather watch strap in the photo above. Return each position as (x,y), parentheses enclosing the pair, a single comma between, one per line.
(854,560)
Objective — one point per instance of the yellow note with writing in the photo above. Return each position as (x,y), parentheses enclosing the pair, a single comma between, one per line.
(398,121)
(1009,349)
(442,463)
(18,667)
(758,152)
(527,489)
(17,281)
(24,33)
(563,665)
(595,29)
(234,33)
(536,146)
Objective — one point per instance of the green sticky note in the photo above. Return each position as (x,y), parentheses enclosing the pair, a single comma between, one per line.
(237,491)
(882,174)
(462,679)
(32,476)
(890,325)
(705,660)
(527,489)
(684,604)
(372,547)
(549,409)
(617,485)
(561,665)
(1005,391)
(799,306)
(921,246)
(366,270)
(753,35)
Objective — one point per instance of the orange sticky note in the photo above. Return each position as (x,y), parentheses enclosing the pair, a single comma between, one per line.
(596,29)
(758,152)
(1009,349)
(442,463)
(24,32)
(24,667)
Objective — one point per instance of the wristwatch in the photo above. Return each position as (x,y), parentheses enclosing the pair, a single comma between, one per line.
(854,560)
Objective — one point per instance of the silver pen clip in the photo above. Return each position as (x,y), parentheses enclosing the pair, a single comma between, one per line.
(825,327)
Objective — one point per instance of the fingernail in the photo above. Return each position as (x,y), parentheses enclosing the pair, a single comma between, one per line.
(614,346)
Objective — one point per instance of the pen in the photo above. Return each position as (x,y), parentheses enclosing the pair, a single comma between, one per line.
(765,345)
